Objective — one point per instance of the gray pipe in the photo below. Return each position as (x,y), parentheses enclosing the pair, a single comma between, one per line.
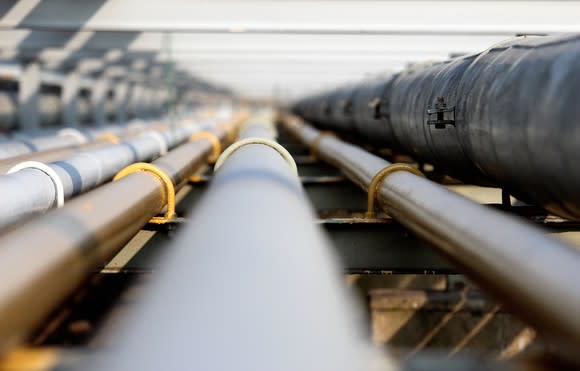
(527,270)
(25,143)
(250,284)
(44,260)
(31,191)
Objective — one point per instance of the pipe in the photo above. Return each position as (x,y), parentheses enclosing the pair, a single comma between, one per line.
(250,283)
(527,270)
(32,191)
(46,259)
(57,154)
(507,116)
(52,155)
(23,143)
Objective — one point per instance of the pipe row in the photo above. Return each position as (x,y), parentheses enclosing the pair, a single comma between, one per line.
(528,271)
(23,143)
(507,116)
(87,140)
(51,155)
(34,190)
(46,259)
(249,284)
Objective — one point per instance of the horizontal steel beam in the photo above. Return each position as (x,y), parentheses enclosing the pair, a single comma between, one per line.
(322,17)
(37,40)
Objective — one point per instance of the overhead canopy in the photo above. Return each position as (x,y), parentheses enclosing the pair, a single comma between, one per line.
(264,48)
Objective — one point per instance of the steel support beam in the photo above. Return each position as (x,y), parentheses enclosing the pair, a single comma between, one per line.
(122,96)
(285,16)
(99,97)
(69,95)
(28,96)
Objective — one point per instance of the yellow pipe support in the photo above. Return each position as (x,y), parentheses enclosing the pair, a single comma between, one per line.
(30,359)
(165,179)
(378,178)
(110,137)
(215,142)
(316,141)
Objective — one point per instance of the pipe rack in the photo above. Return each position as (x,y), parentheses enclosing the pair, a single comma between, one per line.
(36,143)
(501,253)
(70,243)
(34,190)
(250,284)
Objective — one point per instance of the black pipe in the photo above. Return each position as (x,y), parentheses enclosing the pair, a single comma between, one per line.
(508,116)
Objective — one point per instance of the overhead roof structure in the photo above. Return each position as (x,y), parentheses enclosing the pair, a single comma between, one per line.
(267,48)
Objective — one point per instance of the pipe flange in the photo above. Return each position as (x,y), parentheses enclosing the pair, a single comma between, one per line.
(379,177)
(165,179)
(58,185)
(72,132)
(159,137)
(215,142)
(267,142)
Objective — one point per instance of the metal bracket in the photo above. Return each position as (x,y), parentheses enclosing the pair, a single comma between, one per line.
(375,105)
(439,110)
(215,143)
(164,178)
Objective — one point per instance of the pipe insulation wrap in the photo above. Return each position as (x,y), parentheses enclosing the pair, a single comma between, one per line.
(508,117)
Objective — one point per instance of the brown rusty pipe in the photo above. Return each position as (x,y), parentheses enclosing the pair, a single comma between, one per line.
(531,273)
(44,260)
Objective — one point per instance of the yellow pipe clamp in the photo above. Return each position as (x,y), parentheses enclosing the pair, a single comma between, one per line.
(165,179)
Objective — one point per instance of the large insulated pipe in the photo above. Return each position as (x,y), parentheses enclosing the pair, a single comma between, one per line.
(250,284)
(527,270)
(507,116)
(46,259)
(29,190)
